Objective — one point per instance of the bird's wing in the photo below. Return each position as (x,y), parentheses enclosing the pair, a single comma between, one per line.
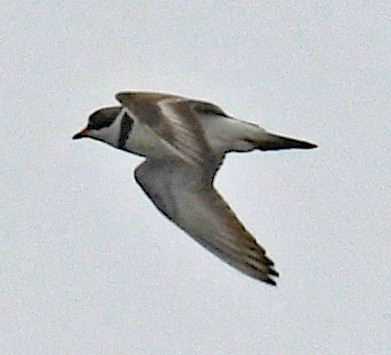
(175,119)
(188,199)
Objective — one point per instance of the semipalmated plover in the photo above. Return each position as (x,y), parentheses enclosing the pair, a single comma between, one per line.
(184,142)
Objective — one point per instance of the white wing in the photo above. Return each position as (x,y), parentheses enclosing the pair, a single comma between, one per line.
(183,194)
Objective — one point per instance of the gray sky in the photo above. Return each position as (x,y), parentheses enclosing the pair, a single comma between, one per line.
(88,265)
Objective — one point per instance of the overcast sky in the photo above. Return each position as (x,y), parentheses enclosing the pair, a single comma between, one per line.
(88,265)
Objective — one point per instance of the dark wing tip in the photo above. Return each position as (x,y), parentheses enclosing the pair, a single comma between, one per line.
(269,281)
(271,273)
(268,261)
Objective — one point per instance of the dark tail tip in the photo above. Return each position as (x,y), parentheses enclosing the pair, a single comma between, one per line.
(307,145)
(276,142)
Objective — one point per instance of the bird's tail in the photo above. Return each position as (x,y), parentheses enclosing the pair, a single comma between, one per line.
(242,136)
(271,141)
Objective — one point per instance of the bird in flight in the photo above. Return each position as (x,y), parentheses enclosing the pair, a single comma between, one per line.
(184,142)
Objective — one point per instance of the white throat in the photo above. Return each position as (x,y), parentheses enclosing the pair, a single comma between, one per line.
(109,134)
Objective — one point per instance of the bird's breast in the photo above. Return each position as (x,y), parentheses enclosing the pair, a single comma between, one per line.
(142,140)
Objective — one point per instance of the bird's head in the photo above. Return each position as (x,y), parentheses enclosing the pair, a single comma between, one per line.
(104,125)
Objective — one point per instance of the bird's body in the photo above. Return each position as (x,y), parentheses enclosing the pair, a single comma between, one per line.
(184,142)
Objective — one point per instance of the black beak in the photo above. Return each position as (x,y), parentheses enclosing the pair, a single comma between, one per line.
(82,134)
(77,136)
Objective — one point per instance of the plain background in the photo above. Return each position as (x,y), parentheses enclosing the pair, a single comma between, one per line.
(88,265)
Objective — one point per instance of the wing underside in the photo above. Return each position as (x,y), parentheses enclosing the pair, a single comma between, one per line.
(194,205)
